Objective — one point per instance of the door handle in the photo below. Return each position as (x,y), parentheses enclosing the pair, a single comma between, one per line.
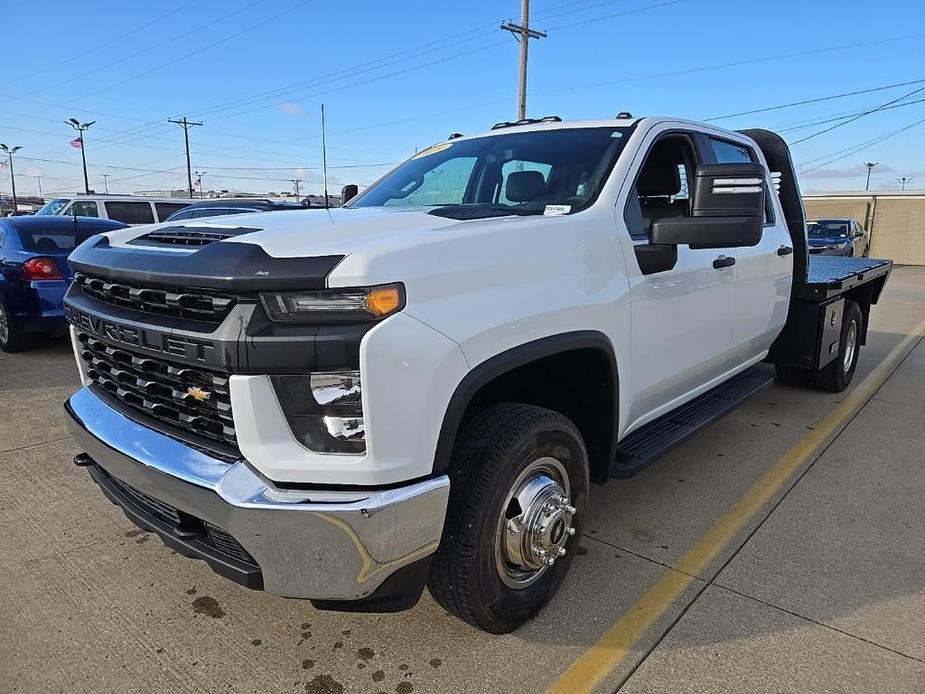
(785,250)
(723,261)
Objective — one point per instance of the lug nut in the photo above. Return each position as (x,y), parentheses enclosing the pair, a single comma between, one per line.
(549,561)
(561,551)
(571,530)
(571,510)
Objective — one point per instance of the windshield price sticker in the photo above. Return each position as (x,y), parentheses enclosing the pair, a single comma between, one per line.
(433,150)
(556,210)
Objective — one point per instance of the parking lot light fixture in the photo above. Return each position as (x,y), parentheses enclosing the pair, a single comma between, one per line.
(10,151)
(79,143)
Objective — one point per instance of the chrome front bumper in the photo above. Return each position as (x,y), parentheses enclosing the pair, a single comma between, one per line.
(323,545)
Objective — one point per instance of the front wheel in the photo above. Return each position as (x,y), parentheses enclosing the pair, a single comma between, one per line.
(518,490)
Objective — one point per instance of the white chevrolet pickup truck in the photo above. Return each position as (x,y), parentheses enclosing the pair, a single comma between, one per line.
(419,388)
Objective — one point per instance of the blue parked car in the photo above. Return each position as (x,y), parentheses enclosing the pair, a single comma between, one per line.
(838,237)
(34,274)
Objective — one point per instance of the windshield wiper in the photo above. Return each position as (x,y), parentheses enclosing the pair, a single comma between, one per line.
(477,211)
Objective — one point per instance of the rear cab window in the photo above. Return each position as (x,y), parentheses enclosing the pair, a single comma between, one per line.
(727,152)
(130,212)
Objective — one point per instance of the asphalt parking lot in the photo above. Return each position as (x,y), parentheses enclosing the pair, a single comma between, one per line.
(781,550)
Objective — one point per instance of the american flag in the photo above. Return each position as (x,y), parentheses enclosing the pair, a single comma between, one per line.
(77,143)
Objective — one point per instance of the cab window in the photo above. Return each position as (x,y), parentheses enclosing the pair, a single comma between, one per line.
(83,208)
(130,212)
(662,185)
(727,152)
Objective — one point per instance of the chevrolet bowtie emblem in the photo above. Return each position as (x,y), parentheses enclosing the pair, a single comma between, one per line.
(198,393)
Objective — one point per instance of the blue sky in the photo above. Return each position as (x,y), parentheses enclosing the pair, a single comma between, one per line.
(399,76)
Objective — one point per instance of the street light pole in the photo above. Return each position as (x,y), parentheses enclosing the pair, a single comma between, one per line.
(870,165)
(80,128)
(106,182)
(10,152)
(903,180)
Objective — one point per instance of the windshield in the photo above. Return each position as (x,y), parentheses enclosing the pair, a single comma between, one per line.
(53,206)
(537,172)
(828,228)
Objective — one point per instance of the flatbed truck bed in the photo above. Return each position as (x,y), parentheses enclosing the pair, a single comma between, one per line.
(830,276)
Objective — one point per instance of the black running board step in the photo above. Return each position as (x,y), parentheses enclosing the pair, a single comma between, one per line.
(650,442)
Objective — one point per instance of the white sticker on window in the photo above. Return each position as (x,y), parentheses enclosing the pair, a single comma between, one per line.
(555,210)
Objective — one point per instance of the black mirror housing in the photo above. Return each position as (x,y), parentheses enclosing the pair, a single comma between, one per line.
(727,206)
(348,192)
(729,190)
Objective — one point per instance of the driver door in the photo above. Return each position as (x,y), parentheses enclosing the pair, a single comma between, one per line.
(682,317)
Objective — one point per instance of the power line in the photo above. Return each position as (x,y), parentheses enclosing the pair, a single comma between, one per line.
(617,14)
(212,22)
(106,44)
(812,101)
(857,117)
(854,149)
(737,63)
(202,49)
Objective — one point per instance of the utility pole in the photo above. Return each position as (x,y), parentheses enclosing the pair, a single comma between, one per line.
(324,158)
(903,180)
(10,152)
(106,182)
(81,128)
(523,33)
(186,125)
(870,165)
(296,182)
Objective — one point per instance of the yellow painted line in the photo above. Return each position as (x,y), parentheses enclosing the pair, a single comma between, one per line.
(599,660)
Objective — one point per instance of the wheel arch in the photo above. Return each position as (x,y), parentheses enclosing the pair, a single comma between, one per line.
(507,376)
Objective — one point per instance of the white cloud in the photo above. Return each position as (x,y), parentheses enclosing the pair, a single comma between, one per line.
(291,108)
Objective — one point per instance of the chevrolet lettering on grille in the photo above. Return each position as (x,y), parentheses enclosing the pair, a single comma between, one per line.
(154,340)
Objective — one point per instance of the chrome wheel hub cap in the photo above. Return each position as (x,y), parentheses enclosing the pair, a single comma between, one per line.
(535,523)
(851,342)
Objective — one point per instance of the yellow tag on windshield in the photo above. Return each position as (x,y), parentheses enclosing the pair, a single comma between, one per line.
(433,149)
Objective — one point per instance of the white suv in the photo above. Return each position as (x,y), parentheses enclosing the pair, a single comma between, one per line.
(122,208)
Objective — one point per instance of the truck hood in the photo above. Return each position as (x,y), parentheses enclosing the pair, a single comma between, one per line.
(828,240)
(268,250)
(300,233)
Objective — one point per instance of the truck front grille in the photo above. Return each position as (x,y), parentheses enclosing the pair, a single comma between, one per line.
(195,304)
(191,399)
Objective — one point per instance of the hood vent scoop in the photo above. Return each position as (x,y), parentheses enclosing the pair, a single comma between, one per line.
(190,235)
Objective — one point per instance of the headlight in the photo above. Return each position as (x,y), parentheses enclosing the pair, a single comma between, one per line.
(324,410)
(334,305)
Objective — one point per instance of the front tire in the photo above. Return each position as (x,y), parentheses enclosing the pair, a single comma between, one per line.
(836,375)
(518,491)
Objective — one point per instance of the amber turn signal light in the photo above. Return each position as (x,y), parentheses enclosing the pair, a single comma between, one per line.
(382,301)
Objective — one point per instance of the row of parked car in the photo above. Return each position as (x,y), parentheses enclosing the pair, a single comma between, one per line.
(34,274)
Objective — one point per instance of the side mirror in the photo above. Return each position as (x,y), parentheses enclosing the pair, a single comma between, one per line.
(727,206)
(858,233)
(348,192)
